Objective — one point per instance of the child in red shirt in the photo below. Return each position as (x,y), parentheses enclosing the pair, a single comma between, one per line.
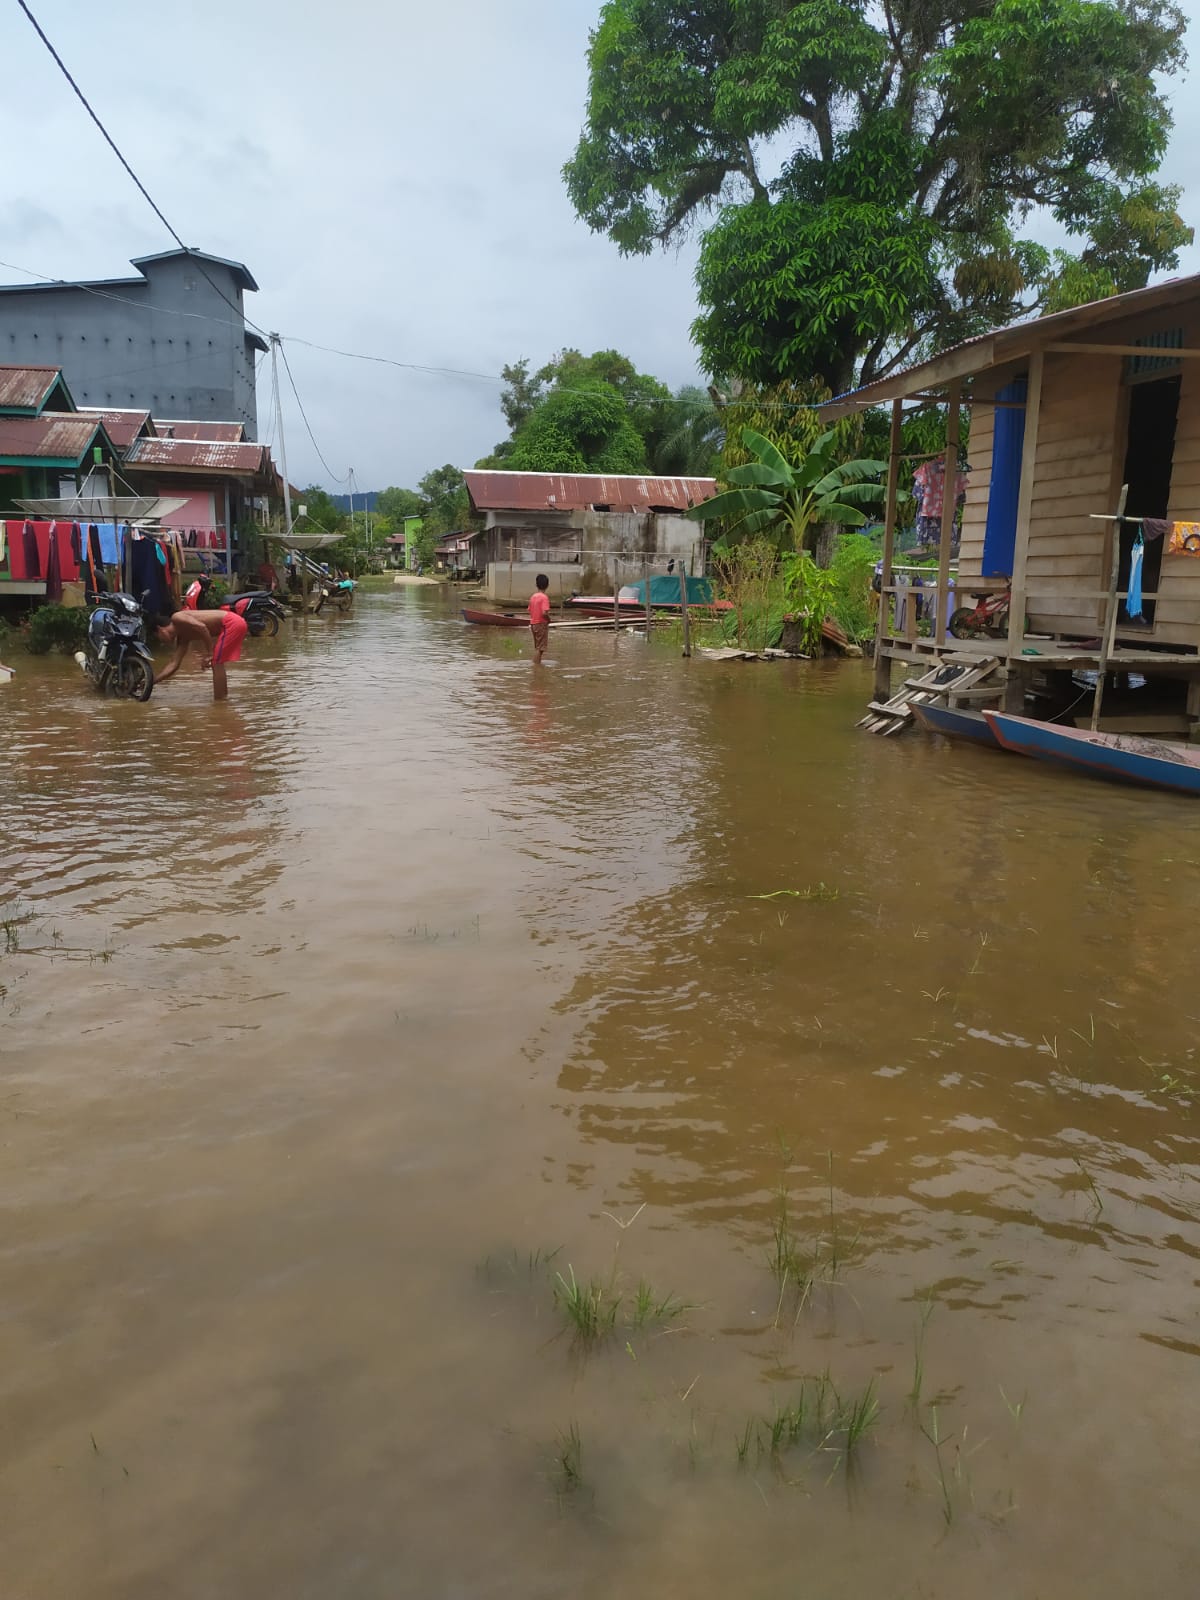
(539,618)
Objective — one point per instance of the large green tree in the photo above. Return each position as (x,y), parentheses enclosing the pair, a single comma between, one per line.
(580,413)
(863,169)
(445,505)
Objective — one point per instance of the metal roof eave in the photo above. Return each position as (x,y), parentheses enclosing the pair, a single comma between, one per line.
(1015,340)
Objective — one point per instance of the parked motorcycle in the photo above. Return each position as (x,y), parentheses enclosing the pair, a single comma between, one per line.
(262,609)
(116,657)
(986,619)
(336,592)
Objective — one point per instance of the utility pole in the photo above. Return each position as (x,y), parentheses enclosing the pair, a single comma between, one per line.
(287,489)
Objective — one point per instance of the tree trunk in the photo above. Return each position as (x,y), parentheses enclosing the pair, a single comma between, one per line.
(826,543)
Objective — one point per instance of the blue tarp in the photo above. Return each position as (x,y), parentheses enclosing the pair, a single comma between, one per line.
(664,591)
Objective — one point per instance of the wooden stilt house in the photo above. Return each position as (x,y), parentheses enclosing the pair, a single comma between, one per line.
(1065,410)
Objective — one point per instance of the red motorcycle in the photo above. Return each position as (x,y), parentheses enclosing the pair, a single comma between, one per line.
(986,619)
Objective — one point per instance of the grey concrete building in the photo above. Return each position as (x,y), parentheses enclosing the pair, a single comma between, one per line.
(165,341)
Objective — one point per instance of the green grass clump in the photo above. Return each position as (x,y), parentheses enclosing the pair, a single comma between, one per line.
(591,1308)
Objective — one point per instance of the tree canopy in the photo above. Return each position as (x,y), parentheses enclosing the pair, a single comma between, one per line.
(865,170)
(598,413)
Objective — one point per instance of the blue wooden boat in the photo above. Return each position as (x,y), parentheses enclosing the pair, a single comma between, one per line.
(1125,757)
(955,723)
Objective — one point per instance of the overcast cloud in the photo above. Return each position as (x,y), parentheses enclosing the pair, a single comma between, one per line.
(391,176)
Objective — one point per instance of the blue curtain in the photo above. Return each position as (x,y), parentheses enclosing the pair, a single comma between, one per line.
(1008,441)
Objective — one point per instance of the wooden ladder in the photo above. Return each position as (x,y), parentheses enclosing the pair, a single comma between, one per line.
(953,676)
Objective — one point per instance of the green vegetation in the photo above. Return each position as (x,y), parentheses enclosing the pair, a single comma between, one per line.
(598,413)
(592,1309)
(910,144)
(57,628)
(785,501)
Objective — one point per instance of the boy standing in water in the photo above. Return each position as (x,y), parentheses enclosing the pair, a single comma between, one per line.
(539,618)
(218,635)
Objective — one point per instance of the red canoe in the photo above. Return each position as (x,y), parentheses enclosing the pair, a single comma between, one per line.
(496,619)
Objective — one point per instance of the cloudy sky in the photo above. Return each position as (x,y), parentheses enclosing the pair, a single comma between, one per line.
(390,173)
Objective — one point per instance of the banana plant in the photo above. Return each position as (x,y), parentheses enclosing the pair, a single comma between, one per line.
(772,497)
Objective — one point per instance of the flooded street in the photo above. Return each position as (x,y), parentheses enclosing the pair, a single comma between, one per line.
(338,1022)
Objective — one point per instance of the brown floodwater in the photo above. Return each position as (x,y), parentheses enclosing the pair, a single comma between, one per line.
(328,1014)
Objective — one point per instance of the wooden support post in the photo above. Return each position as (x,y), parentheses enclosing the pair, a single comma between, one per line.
(616,598)
(1193,708)
(646,575)
(683,601)
(510,572)
(949,507)
(883,664)
(1113,606)
(1033,406)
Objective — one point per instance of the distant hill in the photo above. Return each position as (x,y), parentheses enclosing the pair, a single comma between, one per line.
(362,502)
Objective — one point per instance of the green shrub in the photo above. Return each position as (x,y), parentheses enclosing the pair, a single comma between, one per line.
(57,628)
(852,568)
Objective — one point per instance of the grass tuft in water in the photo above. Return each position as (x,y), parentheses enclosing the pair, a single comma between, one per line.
(918,1383)
(648,1307)
(591,1309)
(568,1461)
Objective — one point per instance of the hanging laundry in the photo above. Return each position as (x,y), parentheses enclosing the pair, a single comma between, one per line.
(1133,605)
(33,567)
(1185,539)
(1155,527)
(76,546)
(110,552)
(3,543)
(54,584)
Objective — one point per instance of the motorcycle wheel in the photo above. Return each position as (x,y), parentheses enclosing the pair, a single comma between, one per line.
(962,624)
(268,626)
(344,603)
(135,680)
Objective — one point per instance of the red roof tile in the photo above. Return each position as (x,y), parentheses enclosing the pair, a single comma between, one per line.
(54,436)
(557,491)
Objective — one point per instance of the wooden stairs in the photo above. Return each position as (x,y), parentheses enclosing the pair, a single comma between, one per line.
(956,680)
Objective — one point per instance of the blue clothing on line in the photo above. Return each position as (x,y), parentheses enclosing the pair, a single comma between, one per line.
(1133,606)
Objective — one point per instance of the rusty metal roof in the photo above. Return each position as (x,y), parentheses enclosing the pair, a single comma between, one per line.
(122,426)
(26,389)
(1013,342)
(54,436)
(215,432)
(558,491)
(198,455)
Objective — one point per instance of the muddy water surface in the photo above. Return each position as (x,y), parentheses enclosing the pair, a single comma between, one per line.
(336,1020)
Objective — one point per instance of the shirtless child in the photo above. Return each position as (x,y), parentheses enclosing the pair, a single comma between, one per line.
(218,635)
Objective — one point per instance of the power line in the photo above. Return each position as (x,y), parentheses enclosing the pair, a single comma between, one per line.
(112,144)
(288,369)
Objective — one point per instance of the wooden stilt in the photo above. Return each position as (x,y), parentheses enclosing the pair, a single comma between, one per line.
(683,601)
(883,665)
(1113,607)
(1033,407)
(949,506)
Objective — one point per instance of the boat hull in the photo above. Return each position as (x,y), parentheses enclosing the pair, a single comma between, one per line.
(494,619)
(1123,758)
(955,723)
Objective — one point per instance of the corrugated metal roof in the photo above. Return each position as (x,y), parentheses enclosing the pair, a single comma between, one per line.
(121,426)
(197,455)
(54,436)
(217,432)
(557,491)
(26,387)
(242,274)
(1014,340)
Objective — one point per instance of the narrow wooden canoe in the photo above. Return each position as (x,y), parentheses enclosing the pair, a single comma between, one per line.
(496,619)
(955,723)
(1125,757)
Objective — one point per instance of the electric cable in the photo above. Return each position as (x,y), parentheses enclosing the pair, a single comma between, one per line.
(308,429)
